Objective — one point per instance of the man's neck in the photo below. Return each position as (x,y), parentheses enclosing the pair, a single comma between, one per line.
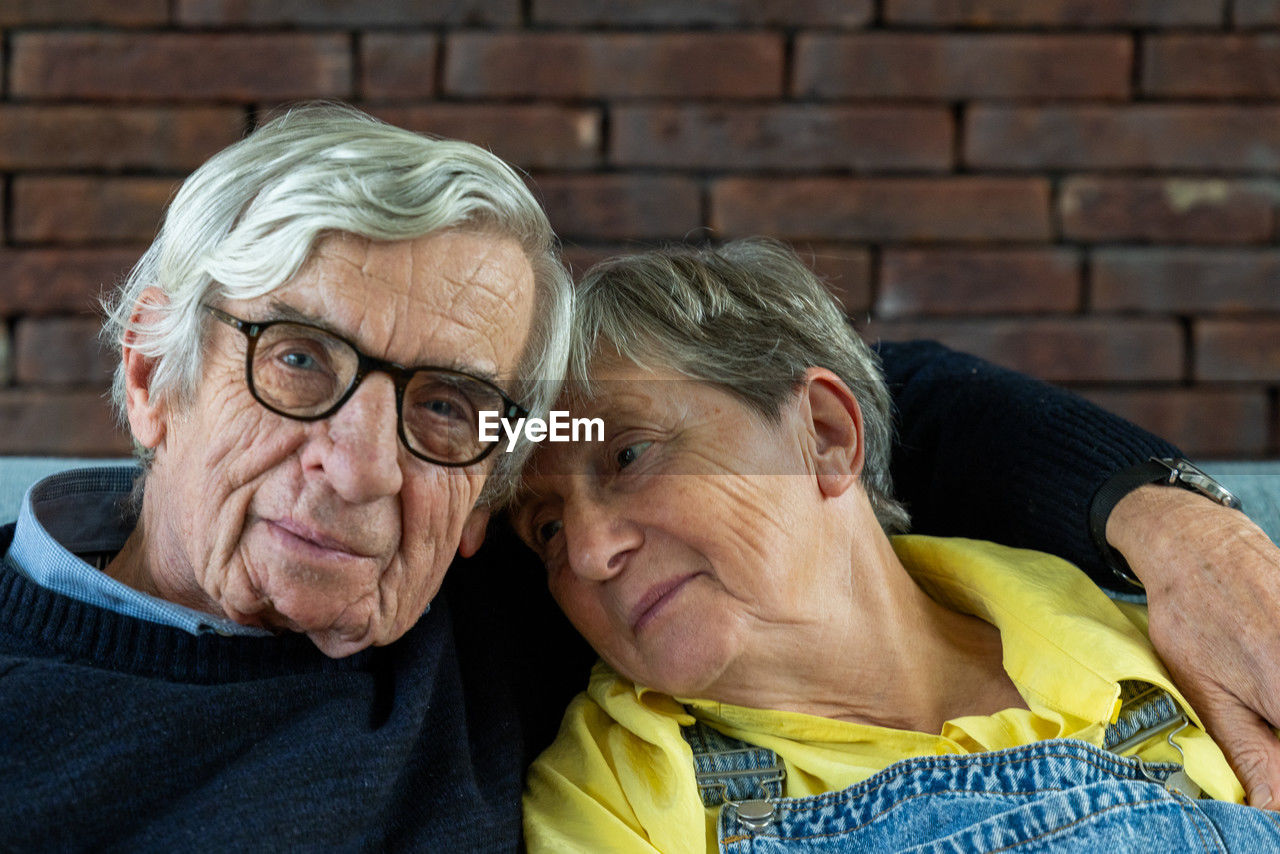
(136,565)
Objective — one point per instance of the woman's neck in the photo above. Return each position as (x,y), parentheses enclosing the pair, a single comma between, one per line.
(888,656)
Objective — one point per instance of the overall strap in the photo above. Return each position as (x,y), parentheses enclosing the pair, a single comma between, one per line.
(729,770)
(1145,711)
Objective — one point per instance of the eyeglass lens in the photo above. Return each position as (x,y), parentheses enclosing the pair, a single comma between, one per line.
(302,371)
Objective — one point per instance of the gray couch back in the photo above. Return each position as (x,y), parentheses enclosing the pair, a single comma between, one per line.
(1257,484)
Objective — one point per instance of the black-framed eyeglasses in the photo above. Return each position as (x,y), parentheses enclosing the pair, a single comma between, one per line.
(307,373)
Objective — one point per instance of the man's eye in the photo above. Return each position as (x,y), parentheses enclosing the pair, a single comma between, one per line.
(631,453)
(299,360)
(443,408)
(443,403)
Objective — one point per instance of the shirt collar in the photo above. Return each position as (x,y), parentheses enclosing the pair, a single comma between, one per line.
(87,510)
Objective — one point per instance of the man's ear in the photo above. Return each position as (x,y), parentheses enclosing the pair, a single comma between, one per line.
(148,415)
(835,421)
(473,531)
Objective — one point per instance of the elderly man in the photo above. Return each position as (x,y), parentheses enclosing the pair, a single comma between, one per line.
(231,651)
(299,480)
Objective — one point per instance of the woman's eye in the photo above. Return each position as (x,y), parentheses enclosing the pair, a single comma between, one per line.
(545,531)
(631,453)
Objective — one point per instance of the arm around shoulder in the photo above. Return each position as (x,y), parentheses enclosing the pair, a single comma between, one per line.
(989,453)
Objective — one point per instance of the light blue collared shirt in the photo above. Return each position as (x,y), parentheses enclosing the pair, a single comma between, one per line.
(85,511)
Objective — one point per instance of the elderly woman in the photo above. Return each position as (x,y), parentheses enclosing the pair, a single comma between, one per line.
(771,656)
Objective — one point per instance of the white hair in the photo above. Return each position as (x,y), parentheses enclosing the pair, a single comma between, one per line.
(245,222)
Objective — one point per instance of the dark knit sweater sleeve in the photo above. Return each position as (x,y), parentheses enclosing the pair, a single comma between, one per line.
(989,453)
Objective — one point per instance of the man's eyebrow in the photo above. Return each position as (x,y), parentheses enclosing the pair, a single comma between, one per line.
(283,311)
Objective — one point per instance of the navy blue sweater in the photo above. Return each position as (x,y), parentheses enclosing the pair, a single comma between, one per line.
(122,734)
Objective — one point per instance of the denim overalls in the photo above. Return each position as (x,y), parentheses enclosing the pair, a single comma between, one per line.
(1056,795)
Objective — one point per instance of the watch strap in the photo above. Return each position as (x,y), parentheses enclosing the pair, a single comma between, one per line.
(1104,501)
(1173,472)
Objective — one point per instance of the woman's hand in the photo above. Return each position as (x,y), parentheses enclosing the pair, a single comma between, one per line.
(1213,596)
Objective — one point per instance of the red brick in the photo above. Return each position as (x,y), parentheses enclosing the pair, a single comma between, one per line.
(580,258)
(1166,210)
(82,137)
(532,136)
(121,13)
(883,209)
(1186,280)
(398,65)
(46,281)
(89,210)
(61,350)
(1058,350)
(1237,349)
(180,66)
(347,13)
(1211,66)
(978,281)
(724,13)
(846,270)
(786,137)
(955,66)
(620,207)
(614,65)
(1204,422)
(68,423)
(1256,13)
(990,14)
(1224,138)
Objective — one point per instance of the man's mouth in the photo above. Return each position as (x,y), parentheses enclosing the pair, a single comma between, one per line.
(301,535)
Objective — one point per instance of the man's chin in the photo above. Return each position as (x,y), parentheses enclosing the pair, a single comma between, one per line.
(336,635)
(335,644)
(339,640)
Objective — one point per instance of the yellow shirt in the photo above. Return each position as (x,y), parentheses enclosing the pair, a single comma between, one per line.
(619,776)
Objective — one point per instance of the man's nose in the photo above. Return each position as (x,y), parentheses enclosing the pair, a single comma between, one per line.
(362,455)
(599,538)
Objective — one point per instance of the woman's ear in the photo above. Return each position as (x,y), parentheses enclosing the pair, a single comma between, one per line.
(148,414)
(835,421)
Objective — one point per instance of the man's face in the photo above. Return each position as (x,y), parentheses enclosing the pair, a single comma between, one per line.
(332,527)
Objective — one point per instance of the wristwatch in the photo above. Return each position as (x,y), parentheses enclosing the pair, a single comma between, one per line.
(1170,471)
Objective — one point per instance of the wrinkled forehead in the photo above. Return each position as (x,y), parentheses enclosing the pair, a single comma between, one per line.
(450,298)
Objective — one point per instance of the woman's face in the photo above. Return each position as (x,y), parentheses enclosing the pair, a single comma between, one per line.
(671,544)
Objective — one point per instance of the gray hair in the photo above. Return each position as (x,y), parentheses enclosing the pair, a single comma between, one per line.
(245,222)
(748,317)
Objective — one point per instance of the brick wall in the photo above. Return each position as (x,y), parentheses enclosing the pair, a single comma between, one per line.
(1082,189)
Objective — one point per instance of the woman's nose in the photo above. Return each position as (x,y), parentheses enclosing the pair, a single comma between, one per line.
(600,539)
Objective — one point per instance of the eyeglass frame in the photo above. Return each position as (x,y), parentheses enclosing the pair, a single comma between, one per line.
(365,365)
